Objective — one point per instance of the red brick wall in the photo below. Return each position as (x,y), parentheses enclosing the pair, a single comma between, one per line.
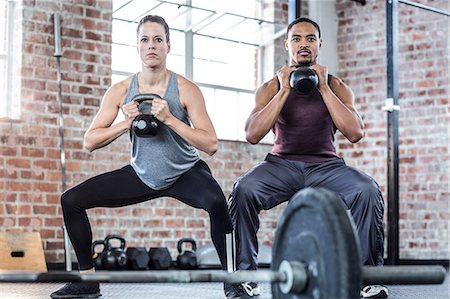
(31,172)
(30,156)
(30,182)
(424,115)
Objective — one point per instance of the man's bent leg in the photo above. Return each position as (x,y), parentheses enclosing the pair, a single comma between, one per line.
(268,184)
(362,196)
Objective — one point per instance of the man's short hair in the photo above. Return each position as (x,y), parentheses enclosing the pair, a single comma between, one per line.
(301,20)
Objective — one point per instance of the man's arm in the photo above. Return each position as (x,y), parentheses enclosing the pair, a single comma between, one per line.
(101,132)
(202,134)
(339,99)
(269,100)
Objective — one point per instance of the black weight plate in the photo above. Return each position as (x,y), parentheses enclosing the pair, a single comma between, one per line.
(315,229)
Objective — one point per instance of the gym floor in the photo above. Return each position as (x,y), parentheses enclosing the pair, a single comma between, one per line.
(196,290)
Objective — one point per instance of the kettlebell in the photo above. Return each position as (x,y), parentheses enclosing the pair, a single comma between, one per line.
(114,258)
(145,124)
(97,255)
(187,259)
(303,80)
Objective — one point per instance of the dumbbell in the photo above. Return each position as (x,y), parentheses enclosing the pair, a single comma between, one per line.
(145,124)
(303,79)
(137,258)
(159,258)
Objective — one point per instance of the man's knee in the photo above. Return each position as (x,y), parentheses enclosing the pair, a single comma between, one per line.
(371,193)
(243,195)
(366,204)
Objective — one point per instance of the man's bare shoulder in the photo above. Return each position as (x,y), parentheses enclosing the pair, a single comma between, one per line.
(336,81)
(271,86)
(337,84)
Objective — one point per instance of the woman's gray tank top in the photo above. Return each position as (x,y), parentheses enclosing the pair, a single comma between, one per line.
(161,159)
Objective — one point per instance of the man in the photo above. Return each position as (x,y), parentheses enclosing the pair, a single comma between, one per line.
(166,164)
(304,155)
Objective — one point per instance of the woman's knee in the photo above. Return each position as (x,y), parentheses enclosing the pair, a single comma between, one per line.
(216,206)
(69,200)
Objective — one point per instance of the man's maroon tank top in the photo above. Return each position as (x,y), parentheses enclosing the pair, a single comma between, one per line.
(304,130)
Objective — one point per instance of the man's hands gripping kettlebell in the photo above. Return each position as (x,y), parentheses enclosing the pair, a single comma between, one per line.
(304,79)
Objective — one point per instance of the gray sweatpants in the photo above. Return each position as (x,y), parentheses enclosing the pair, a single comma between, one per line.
(276,180)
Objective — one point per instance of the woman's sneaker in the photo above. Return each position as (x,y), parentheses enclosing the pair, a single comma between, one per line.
(374,291)
(78,290)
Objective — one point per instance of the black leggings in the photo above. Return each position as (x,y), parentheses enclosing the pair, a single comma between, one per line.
(122,187)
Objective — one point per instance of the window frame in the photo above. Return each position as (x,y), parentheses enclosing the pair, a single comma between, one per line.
(189,64)
(10,106)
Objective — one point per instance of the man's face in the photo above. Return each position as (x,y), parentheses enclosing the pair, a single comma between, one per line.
(152,44)
(303,43)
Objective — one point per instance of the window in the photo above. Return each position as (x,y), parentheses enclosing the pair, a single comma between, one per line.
(216,44)
(221,63)
(9,60)
(3,57)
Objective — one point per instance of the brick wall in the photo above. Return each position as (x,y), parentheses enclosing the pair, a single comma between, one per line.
(31,172)
(30,182)
(30,156)
(423,119)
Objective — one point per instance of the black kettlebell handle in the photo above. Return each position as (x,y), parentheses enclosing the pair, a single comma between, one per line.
(149,120)
(307,64)
(114,237)
(145,97)
(304,66)
(186,240)
(95,244)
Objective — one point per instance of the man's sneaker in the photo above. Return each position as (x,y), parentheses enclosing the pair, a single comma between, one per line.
(374,291)
(78,290)
(235,291)
(251,288)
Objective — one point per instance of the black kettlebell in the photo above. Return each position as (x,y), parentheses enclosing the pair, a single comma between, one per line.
(303,80)
(145,124)
(98,255)
(114,258)
(187,259)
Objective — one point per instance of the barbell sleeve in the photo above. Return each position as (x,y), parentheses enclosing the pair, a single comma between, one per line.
(433,274)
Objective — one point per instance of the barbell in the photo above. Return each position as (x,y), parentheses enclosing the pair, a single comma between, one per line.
(315,255)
